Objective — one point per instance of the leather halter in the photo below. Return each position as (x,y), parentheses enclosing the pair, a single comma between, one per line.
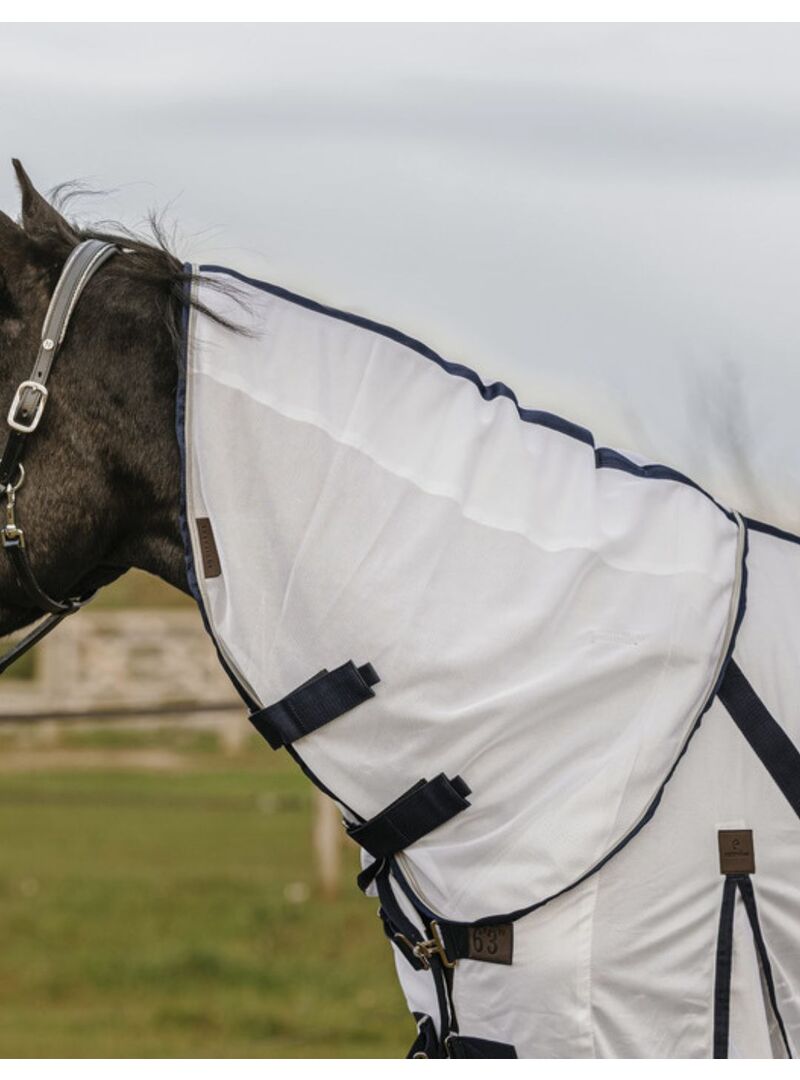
(23,419)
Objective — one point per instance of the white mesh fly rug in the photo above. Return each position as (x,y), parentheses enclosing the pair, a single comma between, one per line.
(554,690)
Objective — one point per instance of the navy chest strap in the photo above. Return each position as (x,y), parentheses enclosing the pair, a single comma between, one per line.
(447,942)
(315,703)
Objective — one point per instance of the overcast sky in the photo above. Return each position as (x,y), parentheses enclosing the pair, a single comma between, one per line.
(606,217)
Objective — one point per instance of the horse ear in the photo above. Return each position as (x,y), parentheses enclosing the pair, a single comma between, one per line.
(38,215)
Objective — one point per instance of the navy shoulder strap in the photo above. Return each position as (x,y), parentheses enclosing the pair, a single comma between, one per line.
(776,750)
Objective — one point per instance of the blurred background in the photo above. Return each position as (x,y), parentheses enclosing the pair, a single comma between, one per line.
(606,217)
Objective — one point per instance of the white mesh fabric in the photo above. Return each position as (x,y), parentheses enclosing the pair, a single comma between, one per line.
(623,965)
(546,629)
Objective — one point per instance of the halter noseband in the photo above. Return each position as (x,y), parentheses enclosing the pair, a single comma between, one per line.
(23,419)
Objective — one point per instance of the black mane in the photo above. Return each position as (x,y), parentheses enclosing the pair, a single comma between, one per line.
(149,262)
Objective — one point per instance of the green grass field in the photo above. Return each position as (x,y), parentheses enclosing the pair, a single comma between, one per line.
(174,913)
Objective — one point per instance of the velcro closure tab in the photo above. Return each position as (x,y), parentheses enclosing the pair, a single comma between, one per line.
(418,811)
(323,698)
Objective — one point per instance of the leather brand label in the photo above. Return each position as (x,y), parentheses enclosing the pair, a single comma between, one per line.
(208,549)
(492,944)
(736,851)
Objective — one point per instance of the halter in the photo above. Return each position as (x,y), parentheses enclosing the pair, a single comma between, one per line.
(24,416)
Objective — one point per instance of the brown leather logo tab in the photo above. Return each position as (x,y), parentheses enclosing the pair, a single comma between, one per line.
(736,851)
(208,548)
(492,944)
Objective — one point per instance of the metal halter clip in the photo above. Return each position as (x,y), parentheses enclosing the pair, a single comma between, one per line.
(412,948)
(33,423)
(433,947)
(12,534)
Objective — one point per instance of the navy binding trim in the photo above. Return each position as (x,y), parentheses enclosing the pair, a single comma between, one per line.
(415,813)
(724,962)
(317,702)
(183,522)
(180,431)
(775,749)
(605,458)
(488,391)
(772,530)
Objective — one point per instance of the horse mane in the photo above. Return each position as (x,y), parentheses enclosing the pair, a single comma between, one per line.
(149,259)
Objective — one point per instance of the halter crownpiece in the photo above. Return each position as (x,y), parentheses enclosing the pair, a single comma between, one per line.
(23,418)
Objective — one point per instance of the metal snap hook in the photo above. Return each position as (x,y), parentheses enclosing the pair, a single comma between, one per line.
(12,489)
(12,534)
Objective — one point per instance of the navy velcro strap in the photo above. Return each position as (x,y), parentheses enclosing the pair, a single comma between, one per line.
(777,751)
(426,1044)
(315,703)
(467,1046)
(420,810)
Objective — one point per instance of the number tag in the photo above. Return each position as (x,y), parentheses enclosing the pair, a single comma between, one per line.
(492,944)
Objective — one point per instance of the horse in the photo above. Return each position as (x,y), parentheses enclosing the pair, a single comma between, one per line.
(407,574)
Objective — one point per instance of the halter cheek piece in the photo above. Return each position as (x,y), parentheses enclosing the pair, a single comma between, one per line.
(23,419)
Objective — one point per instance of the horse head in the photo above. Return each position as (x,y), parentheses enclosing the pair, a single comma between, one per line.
(101,480)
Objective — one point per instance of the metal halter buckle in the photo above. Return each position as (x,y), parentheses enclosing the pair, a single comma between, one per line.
(33,423)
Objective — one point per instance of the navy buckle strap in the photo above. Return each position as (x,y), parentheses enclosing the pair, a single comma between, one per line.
(418,811)
(323,698)
(404,943)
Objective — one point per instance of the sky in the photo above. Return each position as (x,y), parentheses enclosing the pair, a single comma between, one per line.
(605,217)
